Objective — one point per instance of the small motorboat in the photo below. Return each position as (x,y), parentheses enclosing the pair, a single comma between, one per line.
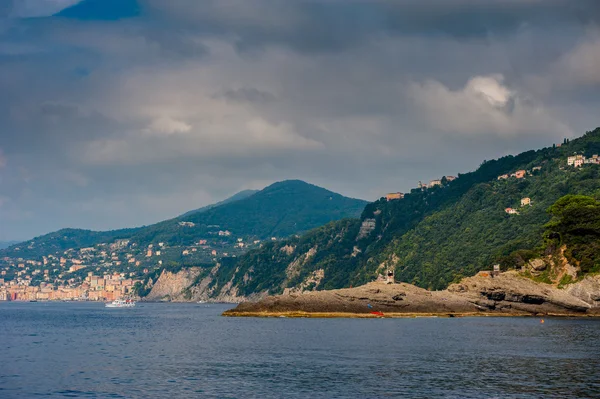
(121,303)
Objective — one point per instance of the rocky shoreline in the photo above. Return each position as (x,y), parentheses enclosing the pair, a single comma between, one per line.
(507,294)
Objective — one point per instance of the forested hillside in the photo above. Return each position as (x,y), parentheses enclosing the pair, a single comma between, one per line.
(63,240)
(236,197)
(575,226)
(281,209)
(433,236)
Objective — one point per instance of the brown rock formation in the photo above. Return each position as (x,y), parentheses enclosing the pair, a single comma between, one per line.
(506,294)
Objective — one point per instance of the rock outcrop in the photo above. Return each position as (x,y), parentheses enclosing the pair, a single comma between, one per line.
(507,294)
(588,290)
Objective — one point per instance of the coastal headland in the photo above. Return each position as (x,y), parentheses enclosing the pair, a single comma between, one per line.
(506,294)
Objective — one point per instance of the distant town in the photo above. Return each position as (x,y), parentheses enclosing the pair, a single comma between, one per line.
(106,272)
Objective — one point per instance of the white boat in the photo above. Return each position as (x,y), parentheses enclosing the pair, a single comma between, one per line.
(120,303)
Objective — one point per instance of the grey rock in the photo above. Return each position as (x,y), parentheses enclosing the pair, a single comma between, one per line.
(537,265)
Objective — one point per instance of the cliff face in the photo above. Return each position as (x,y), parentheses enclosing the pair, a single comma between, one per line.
(196,284)
(171,286)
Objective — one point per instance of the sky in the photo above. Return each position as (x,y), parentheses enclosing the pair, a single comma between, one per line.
(120,113)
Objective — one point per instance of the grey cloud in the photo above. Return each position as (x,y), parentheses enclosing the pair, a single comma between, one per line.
(334,25)
(122,123)
(245,94)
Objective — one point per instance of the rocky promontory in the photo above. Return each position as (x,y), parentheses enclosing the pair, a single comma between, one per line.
(506,294)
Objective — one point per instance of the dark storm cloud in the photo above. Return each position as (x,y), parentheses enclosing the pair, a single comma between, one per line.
(111,118)
(337,24)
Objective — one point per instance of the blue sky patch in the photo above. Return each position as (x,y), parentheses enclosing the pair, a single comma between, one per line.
(102,10)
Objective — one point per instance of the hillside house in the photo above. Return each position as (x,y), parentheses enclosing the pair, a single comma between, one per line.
(511,211)
(536,168)
(450,178)
(519,174)
(434,183)
(503,177)
(525,201)
(394,196)
(576,160)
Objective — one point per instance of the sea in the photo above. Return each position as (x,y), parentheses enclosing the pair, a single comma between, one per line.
(165,350)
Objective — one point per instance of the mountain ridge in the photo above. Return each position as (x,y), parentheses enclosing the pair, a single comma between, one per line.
(186,229)
(235,197)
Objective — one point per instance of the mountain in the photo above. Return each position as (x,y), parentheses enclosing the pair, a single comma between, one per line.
(282,209)
(432,237)
(236,197)
(279,210)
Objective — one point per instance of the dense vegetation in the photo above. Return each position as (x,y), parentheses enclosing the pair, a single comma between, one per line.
(576,225)
(476,232)
(435,236)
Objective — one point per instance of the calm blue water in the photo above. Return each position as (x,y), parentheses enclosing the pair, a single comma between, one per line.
(189,351)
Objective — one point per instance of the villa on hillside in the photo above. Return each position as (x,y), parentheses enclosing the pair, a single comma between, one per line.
(525,201)
(578,160)
(519,174)
(394,196)
(511,211)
